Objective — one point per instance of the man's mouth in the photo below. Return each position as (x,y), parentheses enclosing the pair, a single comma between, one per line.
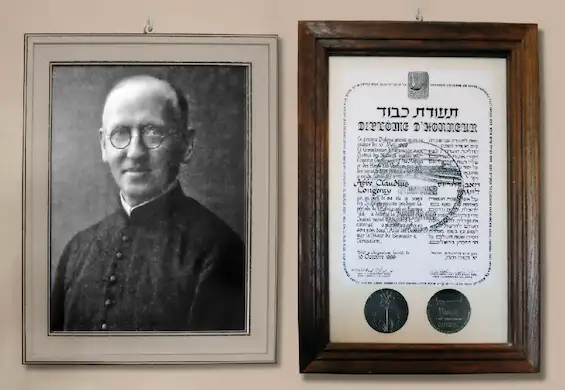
(136,170)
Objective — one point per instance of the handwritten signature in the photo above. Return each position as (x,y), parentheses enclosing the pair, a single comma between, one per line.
(379,271)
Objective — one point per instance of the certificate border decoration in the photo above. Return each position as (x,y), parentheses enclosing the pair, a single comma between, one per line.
(517,43)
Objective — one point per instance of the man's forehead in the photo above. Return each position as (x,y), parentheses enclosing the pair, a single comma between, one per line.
(141,88)
(139,93)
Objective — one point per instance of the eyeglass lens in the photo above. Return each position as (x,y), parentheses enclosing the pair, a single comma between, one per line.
(121,137)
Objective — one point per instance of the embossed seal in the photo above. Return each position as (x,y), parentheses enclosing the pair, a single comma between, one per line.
(386,310)
(449,311)
(417,187)
(418,85)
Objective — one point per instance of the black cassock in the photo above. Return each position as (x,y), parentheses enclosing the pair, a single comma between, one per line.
(172,265)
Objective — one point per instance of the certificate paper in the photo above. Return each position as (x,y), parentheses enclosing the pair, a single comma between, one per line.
(414,201)
(417,183)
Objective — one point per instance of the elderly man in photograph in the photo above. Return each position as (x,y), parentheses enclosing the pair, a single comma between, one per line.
(162,261)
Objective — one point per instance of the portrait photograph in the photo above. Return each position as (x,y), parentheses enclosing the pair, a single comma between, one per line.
(148,198)
(158,202)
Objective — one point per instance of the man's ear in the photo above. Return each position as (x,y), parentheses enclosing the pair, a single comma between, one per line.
(187,155)
(102,143)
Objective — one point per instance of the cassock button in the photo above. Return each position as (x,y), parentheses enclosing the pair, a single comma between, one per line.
(119,255)
(112,278)
(108,302)
(125,238)
(104,326)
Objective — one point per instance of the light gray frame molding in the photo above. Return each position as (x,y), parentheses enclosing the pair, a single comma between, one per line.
(258,344)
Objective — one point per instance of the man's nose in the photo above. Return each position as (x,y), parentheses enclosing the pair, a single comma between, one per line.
(136,147)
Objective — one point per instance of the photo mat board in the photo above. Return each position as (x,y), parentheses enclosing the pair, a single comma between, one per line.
(229,84)
(418,197)
(453,141)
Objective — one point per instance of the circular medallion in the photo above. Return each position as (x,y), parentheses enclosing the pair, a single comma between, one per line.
(386,311)
(449,311)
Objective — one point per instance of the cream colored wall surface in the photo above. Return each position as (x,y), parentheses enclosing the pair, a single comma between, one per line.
(278,17)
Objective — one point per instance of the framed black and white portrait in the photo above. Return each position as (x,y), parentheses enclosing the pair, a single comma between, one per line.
(150,193)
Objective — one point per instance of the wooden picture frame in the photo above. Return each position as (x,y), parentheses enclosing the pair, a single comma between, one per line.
(334,58)
(229,87)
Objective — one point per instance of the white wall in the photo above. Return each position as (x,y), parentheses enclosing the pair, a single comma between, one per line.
(279,17)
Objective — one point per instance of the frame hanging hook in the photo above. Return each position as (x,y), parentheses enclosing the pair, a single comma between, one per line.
(148,26)
(419,16)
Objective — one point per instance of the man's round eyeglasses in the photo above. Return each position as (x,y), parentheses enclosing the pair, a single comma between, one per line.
(152,137)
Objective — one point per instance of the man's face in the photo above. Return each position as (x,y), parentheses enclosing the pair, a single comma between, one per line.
(140,172)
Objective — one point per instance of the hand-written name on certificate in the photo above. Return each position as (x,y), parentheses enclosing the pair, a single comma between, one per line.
(427,114)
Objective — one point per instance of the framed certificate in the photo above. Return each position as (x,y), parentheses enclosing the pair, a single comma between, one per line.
(418,197)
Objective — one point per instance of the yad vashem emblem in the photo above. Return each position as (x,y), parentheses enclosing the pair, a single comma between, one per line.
(386,311)
(417,175)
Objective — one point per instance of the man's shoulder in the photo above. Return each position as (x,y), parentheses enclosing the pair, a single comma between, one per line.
(200,218)
(207,233)
(94,230)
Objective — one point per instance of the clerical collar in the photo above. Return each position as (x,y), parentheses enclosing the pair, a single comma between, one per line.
(128,209)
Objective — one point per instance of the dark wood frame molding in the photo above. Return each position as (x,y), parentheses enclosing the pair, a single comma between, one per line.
(518,43)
